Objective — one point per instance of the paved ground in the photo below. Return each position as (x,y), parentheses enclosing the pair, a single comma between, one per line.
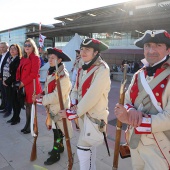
(15,147)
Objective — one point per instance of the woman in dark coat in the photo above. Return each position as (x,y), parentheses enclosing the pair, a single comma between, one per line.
(15,54)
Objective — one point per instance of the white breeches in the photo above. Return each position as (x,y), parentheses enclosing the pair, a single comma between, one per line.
(148,157)
(87,157)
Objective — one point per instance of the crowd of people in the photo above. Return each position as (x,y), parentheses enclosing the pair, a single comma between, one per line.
(15,81)
(147,100)
(133,66)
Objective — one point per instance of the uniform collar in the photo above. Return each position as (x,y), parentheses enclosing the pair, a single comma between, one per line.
(158,65)
(146,64)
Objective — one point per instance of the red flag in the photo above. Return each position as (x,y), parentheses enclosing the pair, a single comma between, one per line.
(41,40)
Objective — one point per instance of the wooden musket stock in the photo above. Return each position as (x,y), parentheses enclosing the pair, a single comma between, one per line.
(34,146)
(119,124)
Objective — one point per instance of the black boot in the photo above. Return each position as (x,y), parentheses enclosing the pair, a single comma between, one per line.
(61,146)
(55,156)
(58,137)
(15,121)
(26,128)
(11,120)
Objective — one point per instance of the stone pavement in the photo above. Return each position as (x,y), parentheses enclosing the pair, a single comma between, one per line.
(15,147)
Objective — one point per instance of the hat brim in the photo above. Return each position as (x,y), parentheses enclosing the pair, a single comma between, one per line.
(158,38)
(99,47)
(103,46)
(63,56)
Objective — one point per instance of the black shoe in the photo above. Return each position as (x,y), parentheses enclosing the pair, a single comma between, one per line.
(23,130)
(6,114)
(15,122)
(11,120)
(55,157)
(27,131)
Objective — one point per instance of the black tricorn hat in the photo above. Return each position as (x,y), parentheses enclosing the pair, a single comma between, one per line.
(59,54)
(155,36)
(94,43)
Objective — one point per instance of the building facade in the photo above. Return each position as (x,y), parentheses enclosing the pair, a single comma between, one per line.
(18,35)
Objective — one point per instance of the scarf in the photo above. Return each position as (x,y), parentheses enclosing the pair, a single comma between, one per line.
(152,70)
(51,70)
(86,66)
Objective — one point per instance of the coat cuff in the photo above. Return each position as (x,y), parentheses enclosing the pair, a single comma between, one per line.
(145,126)
(129,106)
(71,114)
(39,101)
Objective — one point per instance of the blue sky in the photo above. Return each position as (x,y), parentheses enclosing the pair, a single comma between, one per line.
(20,12)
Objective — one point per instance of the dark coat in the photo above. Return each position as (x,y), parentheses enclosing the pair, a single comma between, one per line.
(12,70)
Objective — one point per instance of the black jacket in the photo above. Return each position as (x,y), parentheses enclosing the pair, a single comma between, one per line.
(12,70)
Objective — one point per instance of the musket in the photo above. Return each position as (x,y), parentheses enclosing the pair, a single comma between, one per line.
(119,124)
(33,156)
(69,151)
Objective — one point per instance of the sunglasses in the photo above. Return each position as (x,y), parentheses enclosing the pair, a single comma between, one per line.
(27,45)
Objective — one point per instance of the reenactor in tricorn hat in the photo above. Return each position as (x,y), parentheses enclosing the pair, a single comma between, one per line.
(90,99)
(50,100)
(147,105)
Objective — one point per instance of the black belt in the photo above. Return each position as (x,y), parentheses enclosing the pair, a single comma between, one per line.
(83,149)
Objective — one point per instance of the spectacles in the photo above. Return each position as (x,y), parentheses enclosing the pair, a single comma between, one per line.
(27,45)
